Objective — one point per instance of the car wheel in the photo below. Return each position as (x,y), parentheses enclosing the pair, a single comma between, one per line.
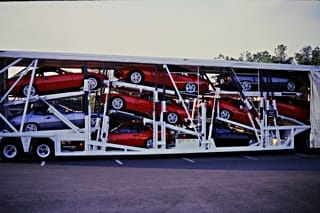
(172,118)
(291,86)
(190,87)
(93,121)
(251,141)
(117,103)
(30,127)
(25,90)
(136,77)
(42,150)
(246,85)
(149,143)
(93,83)
(10,151)
(225,114)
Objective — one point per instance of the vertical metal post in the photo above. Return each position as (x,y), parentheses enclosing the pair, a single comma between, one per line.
(86,88)
(3,75)
(86,107)
(154,122)
(35,64)
(155,109)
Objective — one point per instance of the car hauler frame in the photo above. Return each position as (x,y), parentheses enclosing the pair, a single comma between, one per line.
(193,136)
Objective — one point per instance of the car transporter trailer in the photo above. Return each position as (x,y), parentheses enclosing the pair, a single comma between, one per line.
(195,134)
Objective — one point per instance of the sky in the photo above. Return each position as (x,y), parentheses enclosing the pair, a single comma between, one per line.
(167,28)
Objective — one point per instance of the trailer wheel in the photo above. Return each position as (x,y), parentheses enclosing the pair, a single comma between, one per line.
(149,143)
(42,150)
(172,118)
(135,77)
(190,87)
(25,90)
(10,151)
(246,85)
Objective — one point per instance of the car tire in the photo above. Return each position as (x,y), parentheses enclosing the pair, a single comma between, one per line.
(25,90)
(93,83)
(93,121)
(190,87)
(117,103)
(42,150)
(31,127)
(290,86)
(149,143)
(225,114)
(10,151)
(246,85)
(252,141)
(172,118)
(135,77)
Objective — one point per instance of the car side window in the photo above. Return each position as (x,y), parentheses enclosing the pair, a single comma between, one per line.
(40,111)
(124,130)
(50,73)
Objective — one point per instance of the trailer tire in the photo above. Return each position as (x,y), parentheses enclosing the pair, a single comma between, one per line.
(42,150)
(10,151)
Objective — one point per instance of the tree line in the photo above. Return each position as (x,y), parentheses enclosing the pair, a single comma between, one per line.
(306,56)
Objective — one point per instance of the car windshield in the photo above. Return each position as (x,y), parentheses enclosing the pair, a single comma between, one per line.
(63,109)
(130,128)
(18,74)
(43,71)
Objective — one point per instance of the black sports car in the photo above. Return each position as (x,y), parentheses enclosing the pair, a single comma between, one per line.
(250,82)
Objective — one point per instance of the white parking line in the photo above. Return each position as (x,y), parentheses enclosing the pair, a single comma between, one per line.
(118,162)
(248,157)
(189,160)
(301,155)
(43,163)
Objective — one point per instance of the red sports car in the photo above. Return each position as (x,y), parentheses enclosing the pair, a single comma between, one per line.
(51,79)
(144,106)
(231,109)
(294,108)
(133,133)
(184,79)
(235,110)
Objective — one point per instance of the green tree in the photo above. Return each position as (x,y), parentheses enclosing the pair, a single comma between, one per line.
(228,58)
(280,54)
(245,56)
(220,56)
(304,56)
(315,56)
(263,56)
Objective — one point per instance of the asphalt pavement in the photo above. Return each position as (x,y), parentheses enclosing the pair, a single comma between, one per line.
(236,182)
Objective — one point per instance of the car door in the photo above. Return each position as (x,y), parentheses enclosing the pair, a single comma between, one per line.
(126,135)
(144,105)
(52,80)
(49,120)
